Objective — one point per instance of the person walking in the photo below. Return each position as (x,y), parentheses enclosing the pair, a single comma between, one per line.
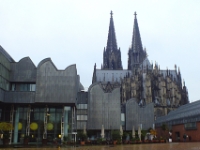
(184,137)
(170,136)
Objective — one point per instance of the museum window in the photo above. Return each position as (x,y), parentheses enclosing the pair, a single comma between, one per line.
(81,117)
(4,61)
(4,84)
(23,87)
(4,72)
(12,87)
(32,87)
(190,126)
(122,117)
(82,106)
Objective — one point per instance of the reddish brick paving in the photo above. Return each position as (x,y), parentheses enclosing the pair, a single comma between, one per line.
(164,146)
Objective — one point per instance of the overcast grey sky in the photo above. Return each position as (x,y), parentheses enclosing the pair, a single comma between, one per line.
(75,32)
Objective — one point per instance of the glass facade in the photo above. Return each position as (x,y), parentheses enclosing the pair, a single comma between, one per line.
(82,106)
(190,126)
(33,122)
(23,87)
(82,117)
(4,72)
(36,120)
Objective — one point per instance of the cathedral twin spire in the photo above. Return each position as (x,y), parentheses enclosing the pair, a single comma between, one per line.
(112,55)
(136,54)
(136,39)
(111,42)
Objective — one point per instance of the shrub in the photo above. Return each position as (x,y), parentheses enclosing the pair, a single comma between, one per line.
(5,127)
(82,136)
(116,135)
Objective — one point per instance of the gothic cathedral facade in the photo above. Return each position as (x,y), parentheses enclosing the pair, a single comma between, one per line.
(142,80)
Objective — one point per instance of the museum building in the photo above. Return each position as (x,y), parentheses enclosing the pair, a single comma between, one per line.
(45,103)
(39,101)
(184,120)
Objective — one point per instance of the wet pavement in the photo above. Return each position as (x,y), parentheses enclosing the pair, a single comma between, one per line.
(164,146)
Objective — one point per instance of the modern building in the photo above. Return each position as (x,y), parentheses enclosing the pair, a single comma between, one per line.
(184,120)
(39,101)
(46,103)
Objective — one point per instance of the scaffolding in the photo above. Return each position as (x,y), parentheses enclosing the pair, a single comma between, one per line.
(28,121)
(45,122)
(11,121)
(62,123)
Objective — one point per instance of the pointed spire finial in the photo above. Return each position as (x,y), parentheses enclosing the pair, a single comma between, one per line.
(135,15)
(183,82)
(175,67)
(111,13)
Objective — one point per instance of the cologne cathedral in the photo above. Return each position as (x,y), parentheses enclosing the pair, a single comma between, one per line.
(142,80)
(45,103)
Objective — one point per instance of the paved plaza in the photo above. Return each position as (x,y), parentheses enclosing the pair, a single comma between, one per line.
(164,146)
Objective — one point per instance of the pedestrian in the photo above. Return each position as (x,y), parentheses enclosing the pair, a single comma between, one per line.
(170,136)
(184,137)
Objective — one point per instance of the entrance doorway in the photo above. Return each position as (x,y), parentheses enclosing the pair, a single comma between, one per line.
(177,136)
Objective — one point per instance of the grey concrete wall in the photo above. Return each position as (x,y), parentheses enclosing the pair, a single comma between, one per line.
(82,97)
(103,108)
(56,86)
(23,71)
(136,115)
(19,97)
(81,125)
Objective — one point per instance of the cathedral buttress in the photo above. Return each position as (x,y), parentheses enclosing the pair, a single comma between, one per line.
(94,78)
